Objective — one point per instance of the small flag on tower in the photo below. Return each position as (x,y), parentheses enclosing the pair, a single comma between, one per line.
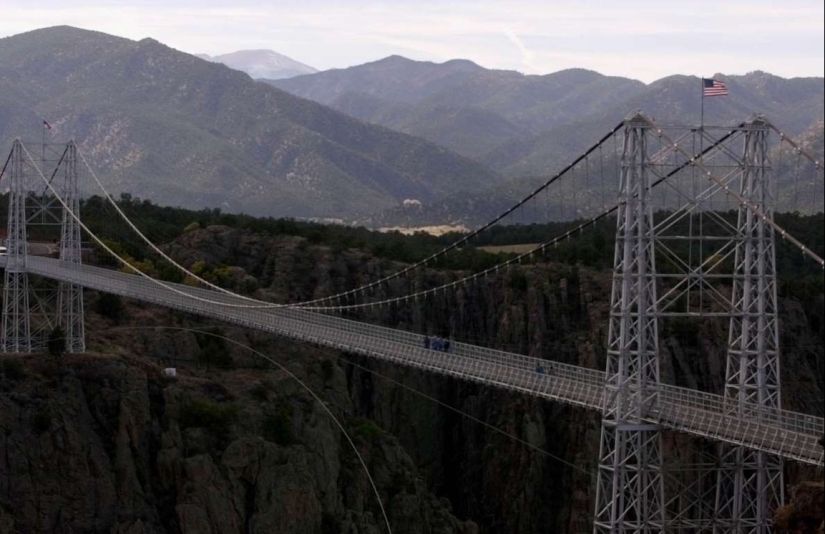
(714,87)
(46,125)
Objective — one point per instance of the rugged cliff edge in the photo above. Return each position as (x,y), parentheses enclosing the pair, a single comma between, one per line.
(99,442)
(103,443)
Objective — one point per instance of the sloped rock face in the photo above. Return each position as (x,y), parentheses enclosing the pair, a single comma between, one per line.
(545,483)
(106,445)
(103,444)
(806,511)
(559,314)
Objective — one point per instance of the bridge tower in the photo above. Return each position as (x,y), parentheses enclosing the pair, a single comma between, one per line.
(70,296)
(750,483)
(21,333)
(16,334)
(630,490)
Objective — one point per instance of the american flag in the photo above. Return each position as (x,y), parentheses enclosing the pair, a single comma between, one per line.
(714,87)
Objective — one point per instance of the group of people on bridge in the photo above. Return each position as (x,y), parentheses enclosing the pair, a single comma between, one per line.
(436,343)
(444,345)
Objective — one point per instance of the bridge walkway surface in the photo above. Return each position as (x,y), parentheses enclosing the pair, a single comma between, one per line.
(785,433)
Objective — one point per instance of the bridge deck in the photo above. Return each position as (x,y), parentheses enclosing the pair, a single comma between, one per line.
(788,434)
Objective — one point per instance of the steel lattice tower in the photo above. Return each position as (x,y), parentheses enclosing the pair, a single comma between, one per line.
(630,490)
(750,484)
(16,335)
(70,296)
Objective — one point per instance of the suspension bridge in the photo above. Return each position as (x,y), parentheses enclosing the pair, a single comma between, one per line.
(636,405)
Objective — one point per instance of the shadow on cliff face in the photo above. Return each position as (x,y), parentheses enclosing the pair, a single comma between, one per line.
(104,443)
(805,513)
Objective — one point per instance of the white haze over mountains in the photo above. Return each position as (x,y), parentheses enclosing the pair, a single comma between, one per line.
(262,64)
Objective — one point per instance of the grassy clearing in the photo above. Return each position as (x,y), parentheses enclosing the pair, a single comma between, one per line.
(511,249)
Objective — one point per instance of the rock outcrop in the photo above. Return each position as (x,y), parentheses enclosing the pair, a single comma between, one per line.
(103,443)
(552,311)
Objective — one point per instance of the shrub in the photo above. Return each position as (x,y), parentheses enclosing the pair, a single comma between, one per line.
(203,413)
(103,257)
(144,266)
(327,369)
(13,369)
(248,285)
(517,279)
(260,392)
(109,305)
(369,430)
(168,272)
(214,350)
(278,426)
(199,268)
(57,341)
(42,420)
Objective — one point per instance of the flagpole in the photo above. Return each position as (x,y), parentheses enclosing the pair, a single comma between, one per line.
(702,118)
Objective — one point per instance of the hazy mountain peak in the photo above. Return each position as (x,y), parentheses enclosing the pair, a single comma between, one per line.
(397,61)
(262,64)
(220,138)
(56,35)
(674,79)
(464,64)
(578,74)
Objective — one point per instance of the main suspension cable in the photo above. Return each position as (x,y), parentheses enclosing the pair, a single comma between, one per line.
(518,259)
(469,236)
(353,292)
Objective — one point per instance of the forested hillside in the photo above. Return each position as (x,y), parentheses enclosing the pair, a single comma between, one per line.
(531,125)
(171,127)
(104,440)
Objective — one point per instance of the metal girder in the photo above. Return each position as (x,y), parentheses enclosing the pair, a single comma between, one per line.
(750,485)
(630,490)
(70,296)
(16,334)
(29,316)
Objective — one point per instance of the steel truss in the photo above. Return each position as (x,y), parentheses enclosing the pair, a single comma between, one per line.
(31,310)
(750,484)
(16,334)
(630,490)
(70,296)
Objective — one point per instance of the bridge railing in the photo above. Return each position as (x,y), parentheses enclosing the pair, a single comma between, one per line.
(790,434)
(529,363)
(787,420)
(777,436)
(709,402)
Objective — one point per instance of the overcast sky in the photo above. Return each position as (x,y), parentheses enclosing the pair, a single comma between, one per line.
(640,39)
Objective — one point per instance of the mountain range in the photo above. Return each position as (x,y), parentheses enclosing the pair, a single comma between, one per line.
(262,64)
(457,141)
(528,127)
(177,129)
(532,125)
(459,104)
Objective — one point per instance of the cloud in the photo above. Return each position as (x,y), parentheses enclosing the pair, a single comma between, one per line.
(643,39)
(527,57)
